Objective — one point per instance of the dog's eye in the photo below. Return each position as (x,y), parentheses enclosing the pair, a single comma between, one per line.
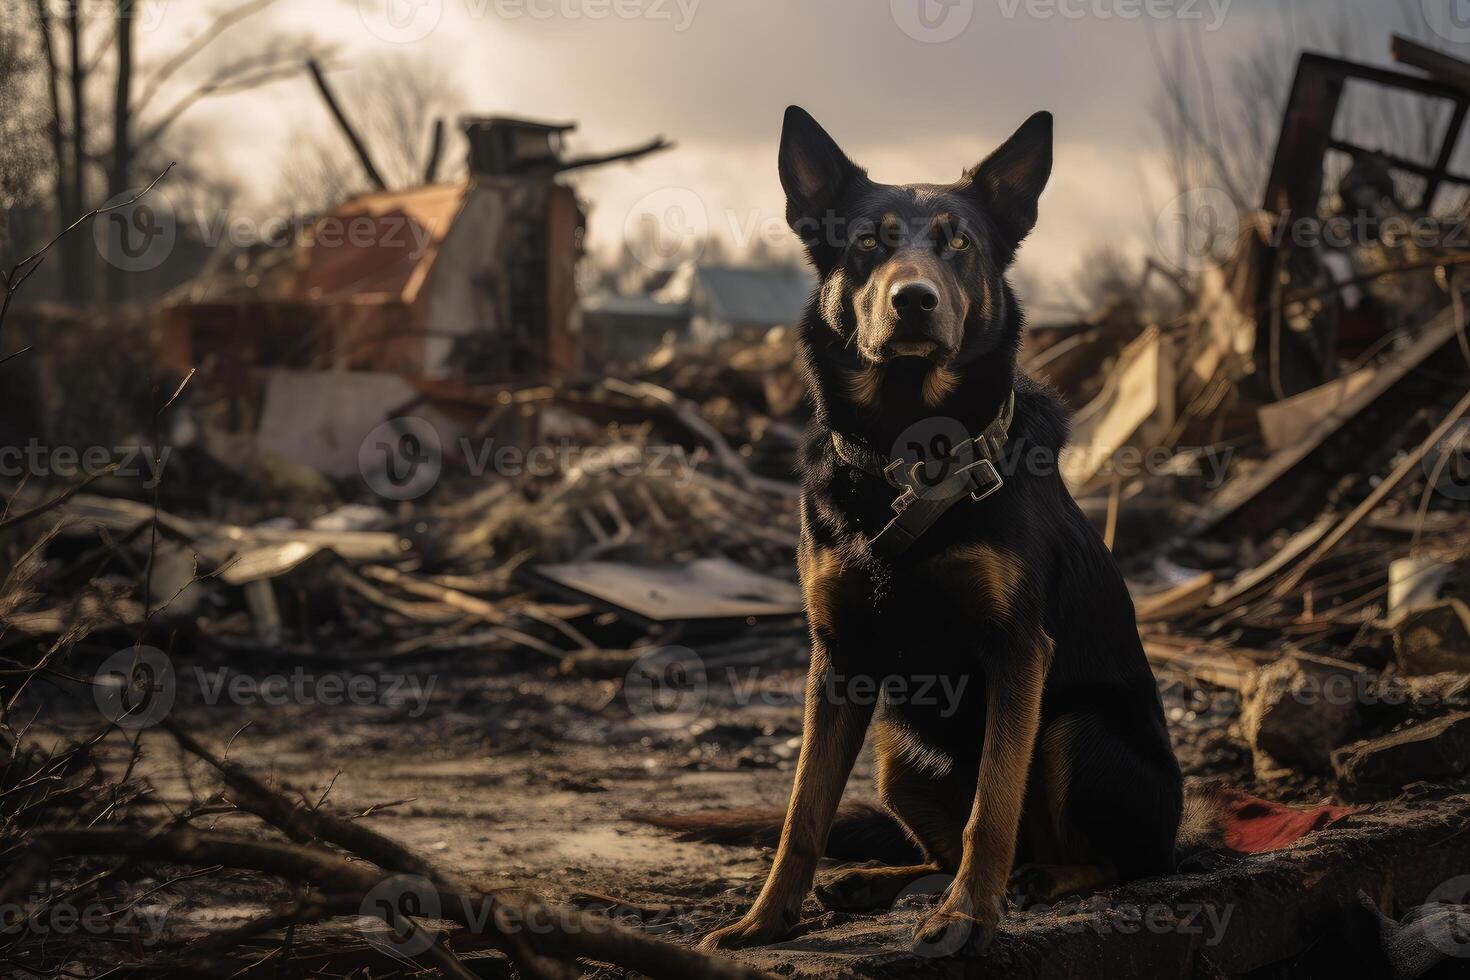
(959,243)
(867,242)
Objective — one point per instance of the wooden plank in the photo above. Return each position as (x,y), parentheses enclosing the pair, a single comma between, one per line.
(1444,67)
(1407,465)
(1138,394)
(1239,492)
(1285,422)
(1183,598)
(1220,669)
(704,589)
(1294,548)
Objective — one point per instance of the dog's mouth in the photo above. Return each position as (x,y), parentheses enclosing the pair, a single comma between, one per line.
(928,350)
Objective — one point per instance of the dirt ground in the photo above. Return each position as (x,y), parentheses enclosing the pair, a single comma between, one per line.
(524,771)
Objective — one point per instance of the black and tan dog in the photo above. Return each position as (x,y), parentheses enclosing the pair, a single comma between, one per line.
(1047,763)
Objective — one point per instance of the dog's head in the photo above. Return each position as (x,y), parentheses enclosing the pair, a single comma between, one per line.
(912,270)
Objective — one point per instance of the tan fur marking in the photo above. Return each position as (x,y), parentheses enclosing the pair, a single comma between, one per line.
(995,573)
(832,735)
(938,383)
(1012,723)
(1055,758)
(862,385)
(820,569)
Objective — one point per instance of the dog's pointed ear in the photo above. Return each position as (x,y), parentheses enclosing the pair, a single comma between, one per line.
(1012,178)
(814,171)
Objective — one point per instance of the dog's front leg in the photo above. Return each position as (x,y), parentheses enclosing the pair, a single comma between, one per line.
(832,735)
(972,906)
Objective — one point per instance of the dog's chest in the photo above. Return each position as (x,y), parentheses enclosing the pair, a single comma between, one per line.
(930,614)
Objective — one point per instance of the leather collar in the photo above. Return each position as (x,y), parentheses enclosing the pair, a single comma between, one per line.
(927,490)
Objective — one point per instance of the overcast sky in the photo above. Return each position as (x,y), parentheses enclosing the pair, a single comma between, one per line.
(915,90)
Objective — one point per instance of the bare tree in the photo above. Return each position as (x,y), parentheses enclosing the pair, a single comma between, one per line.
(393,102)
(122,136)
(81,50)
(1221,134)
(25,150)
(317,174)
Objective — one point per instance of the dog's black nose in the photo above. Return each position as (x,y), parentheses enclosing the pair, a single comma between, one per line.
(913,299)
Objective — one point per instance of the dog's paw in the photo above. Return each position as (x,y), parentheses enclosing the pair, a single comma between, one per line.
(854,890)
(948,932)
(1030,885)
(744,934)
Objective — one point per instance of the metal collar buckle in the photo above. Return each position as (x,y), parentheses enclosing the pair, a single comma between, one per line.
(993,482)
(980,474)
(902,502)
(893,481)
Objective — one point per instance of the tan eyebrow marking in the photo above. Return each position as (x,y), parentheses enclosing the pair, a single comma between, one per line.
(890,228)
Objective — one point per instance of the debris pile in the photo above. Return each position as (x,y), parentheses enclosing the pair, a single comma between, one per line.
(1280,469)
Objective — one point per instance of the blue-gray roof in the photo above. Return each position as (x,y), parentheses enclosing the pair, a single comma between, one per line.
(773,296)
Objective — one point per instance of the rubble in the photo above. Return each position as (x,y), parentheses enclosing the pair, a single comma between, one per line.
(1294,555)
(1376,768)
(1434,639)
(1298,709)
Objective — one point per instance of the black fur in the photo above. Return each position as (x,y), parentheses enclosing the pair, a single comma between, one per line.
(1007,622)
(1125,795)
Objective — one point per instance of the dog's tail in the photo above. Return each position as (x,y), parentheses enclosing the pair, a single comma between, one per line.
(1203,821)
(1218,819)
(860,832)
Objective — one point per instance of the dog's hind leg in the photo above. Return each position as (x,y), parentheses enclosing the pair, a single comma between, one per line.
(1041,884)
(932,810)
(866,889)
(1088,835)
